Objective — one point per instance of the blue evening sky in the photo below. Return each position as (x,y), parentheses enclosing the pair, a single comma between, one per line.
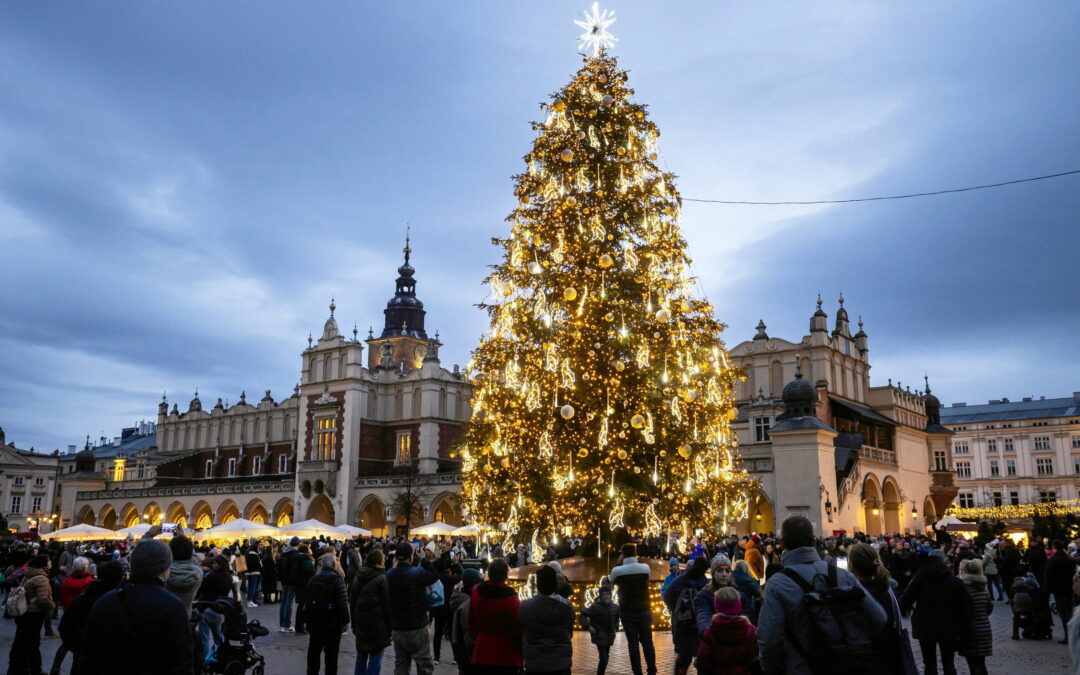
(183,186)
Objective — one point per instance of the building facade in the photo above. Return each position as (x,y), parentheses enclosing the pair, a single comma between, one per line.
(364,441)
(1016,452)
(27,487)
(847,455)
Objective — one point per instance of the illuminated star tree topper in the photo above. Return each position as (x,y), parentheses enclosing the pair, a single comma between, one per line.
(596,36)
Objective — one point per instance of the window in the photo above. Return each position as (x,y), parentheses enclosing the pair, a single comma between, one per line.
(997,498)
(1014,498)
(35,505)
(941,463)
(960,448)
(994,471)
(19,480)
(283,463)
(232,466)
(761,429)
(1076,464)
(1041,424)
(1006,426)
(1010,467)
(1047,496)
(963,469)
(1044,466)
(1008,445)
(256,466)
(404,447)
(141,473)
(1076,442)
(209,468)
(991,445)
(16,503)
(966,500)
(326,438)
(1042,442)
(39,481)
(118,470)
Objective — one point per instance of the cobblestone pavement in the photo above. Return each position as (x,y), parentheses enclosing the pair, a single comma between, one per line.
(285,653)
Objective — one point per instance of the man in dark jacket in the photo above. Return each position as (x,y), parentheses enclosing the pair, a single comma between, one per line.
(286,564)
(461,638)
(326,612)
(370,598)
(253,576)
(940,602)
(547,623)
(77,615)
(140,627)
(632,580)
(409,610)
(302,570)
(1059,578)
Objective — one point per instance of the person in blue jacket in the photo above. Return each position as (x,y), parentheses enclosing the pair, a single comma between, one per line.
(685,636)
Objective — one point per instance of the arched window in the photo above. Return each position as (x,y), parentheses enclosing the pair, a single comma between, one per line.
(417,401)
(776,378)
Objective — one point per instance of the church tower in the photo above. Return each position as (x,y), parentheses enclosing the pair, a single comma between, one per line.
(404,342)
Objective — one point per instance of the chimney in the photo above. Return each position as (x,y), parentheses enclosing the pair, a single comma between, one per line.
(958,405)
(993,401)
(1027,399)
(71,449)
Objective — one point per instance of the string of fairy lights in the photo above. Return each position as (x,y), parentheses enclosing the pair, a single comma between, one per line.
(1010,511)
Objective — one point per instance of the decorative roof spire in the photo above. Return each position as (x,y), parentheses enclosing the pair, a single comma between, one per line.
(926,379)
(408,249)
(354,333)
(761,334)
(404,308)
(819,322)
(332,307)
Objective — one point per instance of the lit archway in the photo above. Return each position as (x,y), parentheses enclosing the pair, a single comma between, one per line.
(176,513)
(256,512)
(202,516)
(86,516)
(321,509)
(129,515)
(372,516)
(283,512)
(872,503)
(227,512)
(890,493)
(152,514)
(930,515)
(108,517)
(443,510)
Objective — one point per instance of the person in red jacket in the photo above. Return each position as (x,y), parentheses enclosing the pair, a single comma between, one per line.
(493,619)
(75,583)
(729,644)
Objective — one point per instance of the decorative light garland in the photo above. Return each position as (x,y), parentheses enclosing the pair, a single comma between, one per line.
(1059,508)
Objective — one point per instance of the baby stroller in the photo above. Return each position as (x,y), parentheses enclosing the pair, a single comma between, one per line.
(232,652)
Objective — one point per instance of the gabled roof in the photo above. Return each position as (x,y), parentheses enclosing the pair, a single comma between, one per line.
(1013,410)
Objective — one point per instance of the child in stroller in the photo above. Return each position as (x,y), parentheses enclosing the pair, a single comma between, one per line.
(222,629)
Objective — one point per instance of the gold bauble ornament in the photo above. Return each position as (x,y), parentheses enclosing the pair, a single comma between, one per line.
(567,155)
(606,261)
(637,421)
(602,77)
(662,315)
(619,365)
(571,200)
(607,99)
(580,135)
(569,294)
(652,156)
(621,151)
(559,106)
(691,395)
(685,450)
(609,317)
(622,454)
(567,411)
(525,199)
(582,453)
(637,469)
(535,268)
(686,306)
(505,462)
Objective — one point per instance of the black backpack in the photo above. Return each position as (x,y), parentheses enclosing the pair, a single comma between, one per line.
(683,614)
(833,638)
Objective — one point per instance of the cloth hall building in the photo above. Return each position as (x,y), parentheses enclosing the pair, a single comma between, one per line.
(364,439)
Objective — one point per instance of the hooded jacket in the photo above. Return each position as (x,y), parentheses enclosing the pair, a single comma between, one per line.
(753,557)
(604,617)
(685,638)
(547,623)
(72,587)
(493,619)
(185,578)
(371,609)
(728,646)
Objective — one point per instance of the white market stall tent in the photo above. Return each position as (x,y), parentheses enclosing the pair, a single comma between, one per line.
(433,529)
(83,532)
(310,529)
(241,528)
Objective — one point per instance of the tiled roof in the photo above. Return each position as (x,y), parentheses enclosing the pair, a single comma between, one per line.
(129,447)
(1013,410)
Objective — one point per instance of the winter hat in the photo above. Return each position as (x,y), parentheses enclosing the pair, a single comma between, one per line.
(937,554)
(469,578)
(1072,545)
(546,580)
(150,558)
(720,560)
(294,542)
(673,562)
(404,551)
(726,601)
(605,590)
(554,564)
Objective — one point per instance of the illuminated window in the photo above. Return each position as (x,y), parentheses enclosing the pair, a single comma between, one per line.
(118,470)
(325,437)
(404,447)
(283,463)
(439,518)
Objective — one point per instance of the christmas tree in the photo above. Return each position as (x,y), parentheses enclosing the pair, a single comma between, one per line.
(602,390)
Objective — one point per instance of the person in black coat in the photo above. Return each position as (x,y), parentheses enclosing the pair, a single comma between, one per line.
(218,583)
(939,600)
(326,613)
(140,627)
(686,637)
(1059,579)
(77,615)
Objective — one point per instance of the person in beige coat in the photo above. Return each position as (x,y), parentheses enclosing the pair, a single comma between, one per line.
(25,655)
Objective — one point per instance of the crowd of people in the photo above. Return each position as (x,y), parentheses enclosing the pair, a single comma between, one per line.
(759,603)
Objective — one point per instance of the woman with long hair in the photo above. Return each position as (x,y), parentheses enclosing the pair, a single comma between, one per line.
(892,647)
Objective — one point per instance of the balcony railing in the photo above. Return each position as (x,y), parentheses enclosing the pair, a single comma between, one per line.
(877,454)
